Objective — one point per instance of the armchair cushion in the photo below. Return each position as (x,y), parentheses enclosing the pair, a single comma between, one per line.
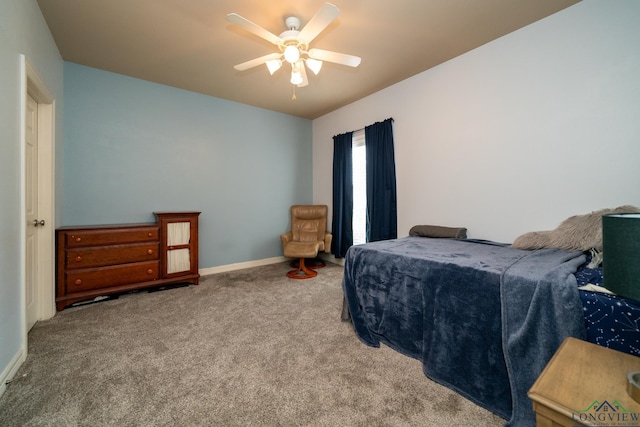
(301,249)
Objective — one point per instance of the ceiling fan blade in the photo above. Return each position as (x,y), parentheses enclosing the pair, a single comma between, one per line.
(303,74)
(258,61)
(338,58)
(256,29)
(321,20)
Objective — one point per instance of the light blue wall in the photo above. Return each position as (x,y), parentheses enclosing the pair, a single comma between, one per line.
(133,147)
(22,32)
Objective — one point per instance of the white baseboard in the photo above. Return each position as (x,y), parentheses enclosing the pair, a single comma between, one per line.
(260,263)
(11,369)
(241,265)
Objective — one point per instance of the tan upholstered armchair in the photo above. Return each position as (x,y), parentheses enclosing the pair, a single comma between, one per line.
(307,237)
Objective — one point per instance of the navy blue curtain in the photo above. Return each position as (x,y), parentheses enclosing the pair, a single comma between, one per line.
(342,223)
(382,205)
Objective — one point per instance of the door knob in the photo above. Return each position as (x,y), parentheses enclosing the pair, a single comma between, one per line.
(38,223)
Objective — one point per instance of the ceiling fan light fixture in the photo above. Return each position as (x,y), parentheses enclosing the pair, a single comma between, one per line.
(291,54)
(273,65)
(314,65)
(296,75)
(296,78)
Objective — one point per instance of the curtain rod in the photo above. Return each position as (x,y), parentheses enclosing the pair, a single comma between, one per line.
(358,130)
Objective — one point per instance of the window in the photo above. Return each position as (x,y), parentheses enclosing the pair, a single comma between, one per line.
(364,187)
(359,164)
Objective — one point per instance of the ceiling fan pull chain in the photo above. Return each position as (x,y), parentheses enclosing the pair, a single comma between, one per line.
(293,98)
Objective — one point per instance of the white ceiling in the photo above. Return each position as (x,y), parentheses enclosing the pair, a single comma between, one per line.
(188,44)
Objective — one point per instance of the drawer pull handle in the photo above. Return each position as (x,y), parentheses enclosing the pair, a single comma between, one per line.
(149,271)
(78,258)
(150,251)
(150,234)
(78,282)
(78,239)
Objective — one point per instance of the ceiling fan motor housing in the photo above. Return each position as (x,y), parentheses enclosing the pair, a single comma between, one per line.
(292,23)
(290,38)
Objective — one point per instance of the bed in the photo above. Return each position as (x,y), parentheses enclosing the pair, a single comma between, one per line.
(610,321)
(483,317)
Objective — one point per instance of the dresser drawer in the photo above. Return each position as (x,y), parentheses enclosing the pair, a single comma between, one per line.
(97,256)
(106,277)
(107,236)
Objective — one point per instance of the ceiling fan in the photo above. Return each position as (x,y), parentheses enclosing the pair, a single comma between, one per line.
(293,45)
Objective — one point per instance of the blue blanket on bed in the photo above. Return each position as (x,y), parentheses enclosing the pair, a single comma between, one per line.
(483,318)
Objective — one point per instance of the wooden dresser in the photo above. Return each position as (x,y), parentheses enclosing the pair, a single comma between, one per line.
(102,260)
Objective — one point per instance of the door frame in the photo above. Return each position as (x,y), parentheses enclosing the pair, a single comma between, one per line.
(45,290)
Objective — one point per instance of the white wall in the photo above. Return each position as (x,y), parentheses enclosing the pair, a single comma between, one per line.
(23,31)
(516,135)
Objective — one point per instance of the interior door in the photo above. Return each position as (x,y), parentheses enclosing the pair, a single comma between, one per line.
(32,221)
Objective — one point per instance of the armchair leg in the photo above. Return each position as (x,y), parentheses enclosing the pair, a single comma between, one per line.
(302,272)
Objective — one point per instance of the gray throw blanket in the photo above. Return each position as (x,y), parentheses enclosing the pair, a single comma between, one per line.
(484,318)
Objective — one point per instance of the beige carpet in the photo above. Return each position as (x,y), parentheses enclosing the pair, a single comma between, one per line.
(246,348)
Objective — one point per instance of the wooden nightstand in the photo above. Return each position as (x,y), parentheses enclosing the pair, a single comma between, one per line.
(585,384)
